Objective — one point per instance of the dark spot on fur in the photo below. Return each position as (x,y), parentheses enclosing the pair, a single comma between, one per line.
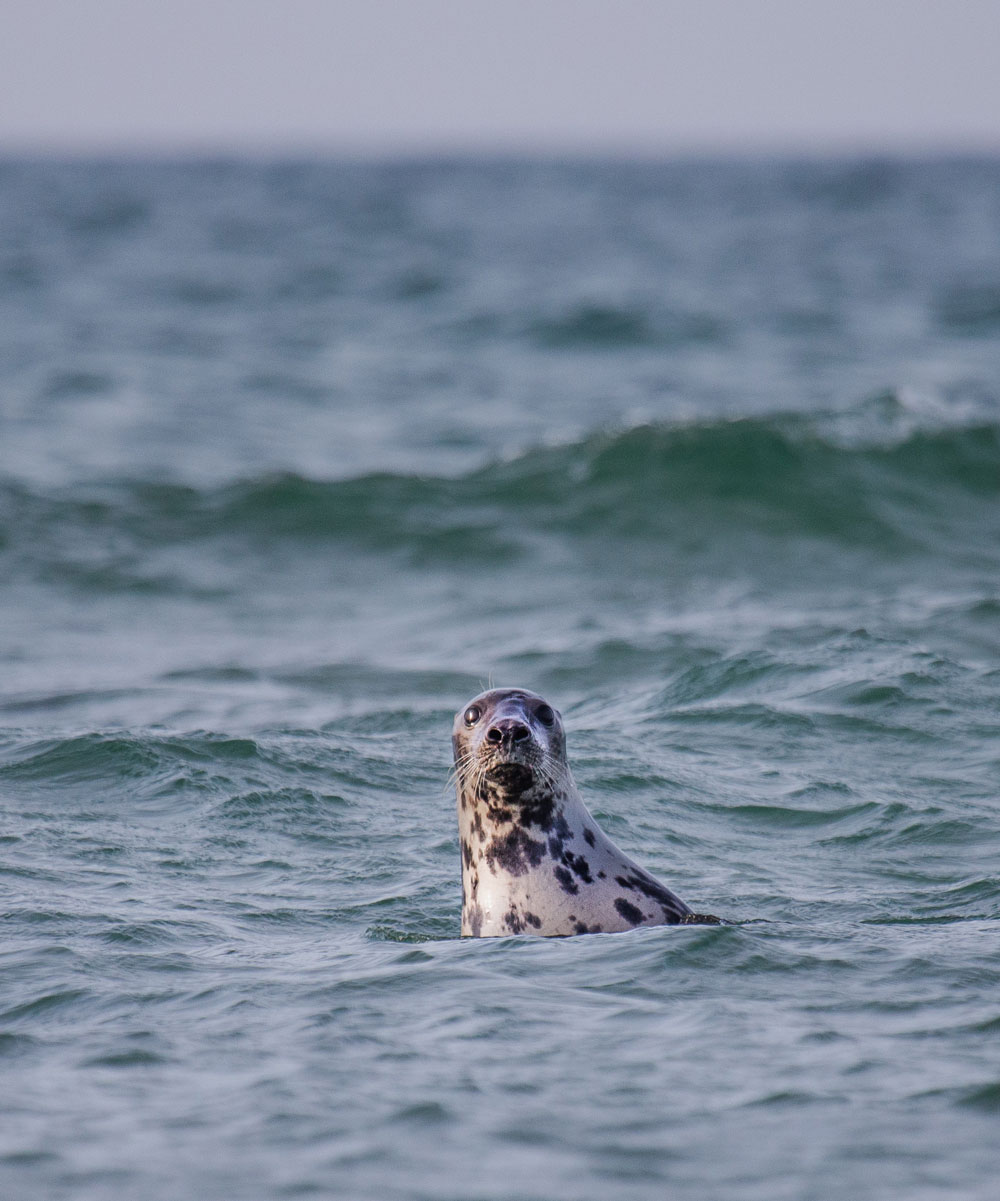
(476,920)
(495,800)
(673,907)
(538,811)
(588,834)
(477,825)
(559,835)
(514,852)
(566,881)
(579,866)
(512,921)
(533,920)
(466,852)
(583,928)
(628,911)
(601,876)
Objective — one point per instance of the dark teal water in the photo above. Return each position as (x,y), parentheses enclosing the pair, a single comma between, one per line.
(295,458)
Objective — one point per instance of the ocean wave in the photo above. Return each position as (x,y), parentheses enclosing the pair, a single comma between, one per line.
(782,477)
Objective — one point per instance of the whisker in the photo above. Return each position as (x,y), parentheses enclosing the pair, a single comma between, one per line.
(458,770)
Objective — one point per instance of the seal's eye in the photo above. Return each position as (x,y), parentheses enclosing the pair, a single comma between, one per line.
(545,715)
(472,715)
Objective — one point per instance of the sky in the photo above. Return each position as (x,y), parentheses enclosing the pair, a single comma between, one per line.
(391,77)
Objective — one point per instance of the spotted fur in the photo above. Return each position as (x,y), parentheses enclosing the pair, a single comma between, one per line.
(534,861)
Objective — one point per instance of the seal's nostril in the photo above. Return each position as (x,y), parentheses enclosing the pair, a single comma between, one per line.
(507,731)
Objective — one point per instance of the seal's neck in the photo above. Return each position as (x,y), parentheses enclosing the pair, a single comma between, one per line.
(505,838)
(496,808)
(513,831)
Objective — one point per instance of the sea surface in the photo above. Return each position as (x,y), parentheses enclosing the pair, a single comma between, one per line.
(295,458)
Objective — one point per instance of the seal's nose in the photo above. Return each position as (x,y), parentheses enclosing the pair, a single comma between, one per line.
(507,731)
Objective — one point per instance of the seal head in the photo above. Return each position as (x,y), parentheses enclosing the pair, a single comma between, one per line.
(510,756)
(533,858)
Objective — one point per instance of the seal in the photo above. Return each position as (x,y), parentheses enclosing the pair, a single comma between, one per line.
(534,861)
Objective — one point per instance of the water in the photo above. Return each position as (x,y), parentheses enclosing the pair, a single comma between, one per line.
(295,458)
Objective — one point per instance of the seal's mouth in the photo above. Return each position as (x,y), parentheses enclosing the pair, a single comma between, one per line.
(511,777)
